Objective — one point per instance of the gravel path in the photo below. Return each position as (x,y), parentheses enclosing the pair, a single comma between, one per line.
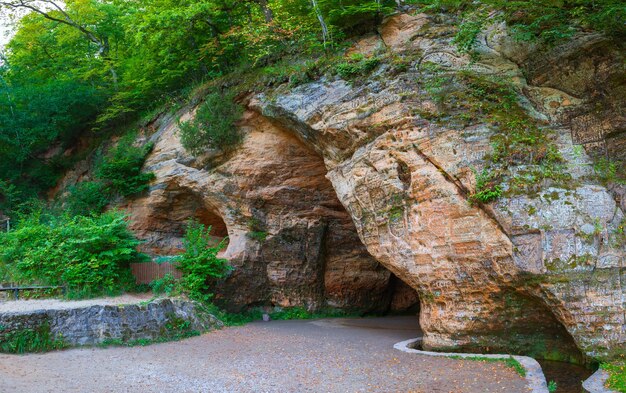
(57,304)
(329,355)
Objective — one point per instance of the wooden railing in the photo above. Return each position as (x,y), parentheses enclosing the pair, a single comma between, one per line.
(16,289)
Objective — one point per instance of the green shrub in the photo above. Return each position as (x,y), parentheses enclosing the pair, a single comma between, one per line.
(487,188)
(86,198)
(168,285)
(30,340)
(356,65)
(120,169)
(214,125)
(552,386)
(199,263)
(89,255)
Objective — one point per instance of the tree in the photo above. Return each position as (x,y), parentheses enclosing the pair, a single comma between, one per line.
(53,10)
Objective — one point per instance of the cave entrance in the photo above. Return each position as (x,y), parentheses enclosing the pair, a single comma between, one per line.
(162,226)
(403,299)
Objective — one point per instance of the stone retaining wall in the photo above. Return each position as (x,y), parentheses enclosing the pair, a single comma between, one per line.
(100,323)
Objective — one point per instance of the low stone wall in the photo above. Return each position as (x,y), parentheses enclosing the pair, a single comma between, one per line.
(96,324)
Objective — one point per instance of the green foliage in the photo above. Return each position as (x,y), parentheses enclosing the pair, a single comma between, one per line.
(466,36)
(487,189)
(86,198)
(58,82)
(35,118)
(620,234)
(532,20)
(352,14)
(617,376)
(552,387)
(118,173)
(609,171)
(214,125)
(89,255)
(120,169)
(168,285)
(199,263)
(509,362)
(356,65)
(30,340)
(257,230)
(278,314)
(519,141)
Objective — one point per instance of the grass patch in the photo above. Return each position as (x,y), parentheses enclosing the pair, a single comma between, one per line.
(509,362)
(39,339)
(282,314)
(617,376)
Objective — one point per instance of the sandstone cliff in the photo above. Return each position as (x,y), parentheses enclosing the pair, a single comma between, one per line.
(338,183)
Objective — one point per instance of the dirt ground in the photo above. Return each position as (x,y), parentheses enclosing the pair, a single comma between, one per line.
(328,355)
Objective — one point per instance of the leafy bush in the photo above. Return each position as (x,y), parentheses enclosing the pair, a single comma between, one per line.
(214,125)
(356,65)
(86,198)
(199,263)
(89,255)
(30,340)
(120,169)
(487,188)
(168,285)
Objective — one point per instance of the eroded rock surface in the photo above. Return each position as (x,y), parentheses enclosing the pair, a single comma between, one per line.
(290,240)
(338,183)
(523,274)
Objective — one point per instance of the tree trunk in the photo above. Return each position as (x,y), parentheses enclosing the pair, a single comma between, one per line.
(320,18)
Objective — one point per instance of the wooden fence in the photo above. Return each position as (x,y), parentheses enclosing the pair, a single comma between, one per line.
(147,272)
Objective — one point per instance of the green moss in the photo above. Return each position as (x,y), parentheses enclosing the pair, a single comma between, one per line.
(396,214)
(619,235)
(175,329)
(38,339)
(524,158)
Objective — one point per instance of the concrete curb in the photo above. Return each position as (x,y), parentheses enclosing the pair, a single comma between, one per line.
(595,383)
(535,380)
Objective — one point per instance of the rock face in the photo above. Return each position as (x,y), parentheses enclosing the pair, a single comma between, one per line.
(290,240)
(97,324)
(338,184)
(539,272)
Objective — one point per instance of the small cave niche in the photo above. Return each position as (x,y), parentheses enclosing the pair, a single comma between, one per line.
(218,231)
(162,227)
